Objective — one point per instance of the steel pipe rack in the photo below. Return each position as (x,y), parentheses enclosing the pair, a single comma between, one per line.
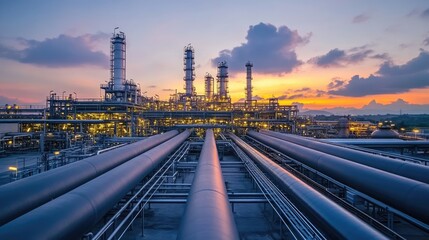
(399,167)
(19,197)
(406,195)
(74,213)
(333,219)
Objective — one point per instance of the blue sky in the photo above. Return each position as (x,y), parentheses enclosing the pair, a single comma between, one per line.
(352,37)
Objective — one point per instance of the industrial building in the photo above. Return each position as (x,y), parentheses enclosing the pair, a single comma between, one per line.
(201,167)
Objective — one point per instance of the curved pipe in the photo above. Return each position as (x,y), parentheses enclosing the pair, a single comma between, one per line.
(404,194)
(208,214)
(402,168)
(335,220)
(72,214)
(19,197)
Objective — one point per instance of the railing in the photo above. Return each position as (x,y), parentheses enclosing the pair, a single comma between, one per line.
(120,223)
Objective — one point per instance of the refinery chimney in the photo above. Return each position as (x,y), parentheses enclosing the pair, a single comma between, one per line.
(222,79)
(189,68)
(209,86)
(248,89)
(117,60)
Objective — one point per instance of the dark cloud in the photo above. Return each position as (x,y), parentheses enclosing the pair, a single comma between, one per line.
(361,18)
(426,41)
(271,49)
(389,78)
(62,51)
(338,58)
(320,93)
(294,96)
(336,83)
(425,13)
(381,56)
(306,89)
(305,92)
(332,58)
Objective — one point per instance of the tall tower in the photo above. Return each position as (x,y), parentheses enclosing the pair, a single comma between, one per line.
(222,79)
(117,60)
(209,86)
(248,88)
(189,68)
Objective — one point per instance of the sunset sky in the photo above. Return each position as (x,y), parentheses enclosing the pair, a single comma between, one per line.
(322,54)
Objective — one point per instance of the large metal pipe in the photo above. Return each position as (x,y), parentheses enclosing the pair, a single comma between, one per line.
(72,214)
(334,220)
(399,167)
(407,195)
(208,214)
(19,197)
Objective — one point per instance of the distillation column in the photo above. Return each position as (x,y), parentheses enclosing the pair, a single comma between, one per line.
(209,86)
(117,60)
(222,79)
(248,89)
(189,68)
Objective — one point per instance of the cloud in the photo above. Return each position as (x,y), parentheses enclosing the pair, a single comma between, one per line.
(168,90)
(305,89)
(340,58)
(10,101)
(375,108)
(256,97)
(336,83)
(61,51)
(305,92)
(151,86)
(299,105)
(389,79)
(271,49)
(361,18)
(425,13)
(426,41)
(381,56)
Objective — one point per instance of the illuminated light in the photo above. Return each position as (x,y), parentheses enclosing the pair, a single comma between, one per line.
(416,130)
(57,153)
(10,142)
(29,129)
(13,168)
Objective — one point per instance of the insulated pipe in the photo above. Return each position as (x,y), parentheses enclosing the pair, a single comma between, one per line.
(402,168)
(407,195)
(21,196)
(74,213)
(208,214)
(335,220)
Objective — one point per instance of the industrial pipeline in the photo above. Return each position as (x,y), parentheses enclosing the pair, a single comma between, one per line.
(404,194)
(334,220)
(402,168)
(72,214)
(208,214)
(19,197)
